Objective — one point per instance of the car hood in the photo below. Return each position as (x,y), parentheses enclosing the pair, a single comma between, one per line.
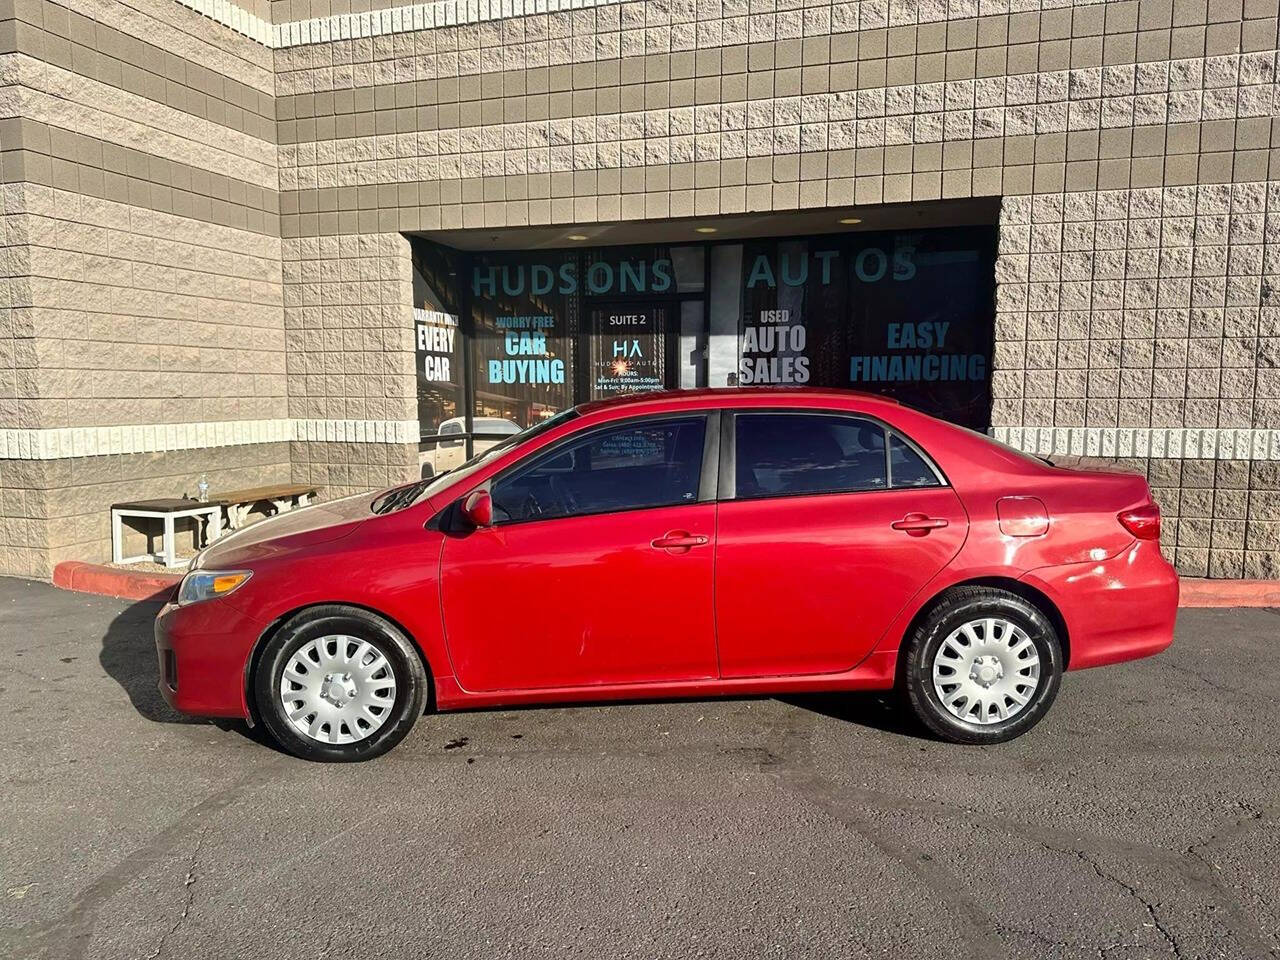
(285,532)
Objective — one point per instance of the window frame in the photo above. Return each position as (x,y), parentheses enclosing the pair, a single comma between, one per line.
(708,477)
(728,471)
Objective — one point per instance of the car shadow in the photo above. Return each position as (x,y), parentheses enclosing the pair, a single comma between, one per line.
(875,710)
(128,656)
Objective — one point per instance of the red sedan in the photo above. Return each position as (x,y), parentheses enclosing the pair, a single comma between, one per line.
(695,543)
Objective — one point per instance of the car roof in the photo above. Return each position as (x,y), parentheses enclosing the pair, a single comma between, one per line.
(729,396)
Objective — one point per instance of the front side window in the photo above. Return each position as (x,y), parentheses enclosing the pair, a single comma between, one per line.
(786,454)
(648,464)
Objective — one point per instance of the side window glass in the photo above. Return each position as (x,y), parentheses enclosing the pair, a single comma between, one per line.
(648,464)
(906,467)
(788,453)
(451,428)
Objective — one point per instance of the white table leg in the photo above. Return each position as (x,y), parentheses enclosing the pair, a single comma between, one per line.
(117,538)
(170,547)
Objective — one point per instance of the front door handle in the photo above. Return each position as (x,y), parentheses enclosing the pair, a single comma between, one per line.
(918,524)
(678,541)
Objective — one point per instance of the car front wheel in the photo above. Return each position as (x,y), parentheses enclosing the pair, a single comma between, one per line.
(339,684)
(983,666)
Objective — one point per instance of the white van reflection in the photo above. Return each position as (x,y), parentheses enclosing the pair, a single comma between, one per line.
(450,450)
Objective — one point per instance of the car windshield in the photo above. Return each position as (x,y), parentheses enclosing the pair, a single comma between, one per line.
(397,498)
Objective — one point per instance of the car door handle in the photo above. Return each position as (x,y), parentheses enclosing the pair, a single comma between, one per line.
(917,524)
(677,540)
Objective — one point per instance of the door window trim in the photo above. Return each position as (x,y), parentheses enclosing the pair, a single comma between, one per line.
(728,479)
(708,477)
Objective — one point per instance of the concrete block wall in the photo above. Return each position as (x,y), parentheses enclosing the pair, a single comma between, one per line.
(1145,311)
(349,324)
(140,181)
(1134,144)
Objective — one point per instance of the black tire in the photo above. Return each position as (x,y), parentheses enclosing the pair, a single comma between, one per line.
(412,685)
(954,609)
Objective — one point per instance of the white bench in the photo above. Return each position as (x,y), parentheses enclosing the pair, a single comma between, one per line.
(166,510)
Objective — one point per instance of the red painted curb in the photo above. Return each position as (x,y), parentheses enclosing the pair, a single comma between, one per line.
(1229,593)
(113,582)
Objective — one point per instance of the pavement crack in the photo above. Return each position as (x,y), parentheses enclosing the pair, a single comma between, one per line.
(1157,921)
(189,896)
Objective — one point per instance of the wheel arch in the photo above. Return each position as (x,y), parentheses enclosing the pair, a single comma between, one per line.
(1026,591)
(255,654)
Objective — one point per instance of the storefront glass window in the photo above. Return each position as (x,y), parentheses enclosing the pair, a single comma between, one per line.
(524,313)
(906,313)
(438,346)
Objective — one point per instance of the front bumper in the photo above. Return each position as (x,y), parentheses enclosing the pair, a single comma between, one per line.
(1117,609)
(203,650)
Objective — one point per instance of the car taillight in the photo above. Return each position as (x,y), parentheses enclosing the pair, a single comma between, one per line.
(1143,522)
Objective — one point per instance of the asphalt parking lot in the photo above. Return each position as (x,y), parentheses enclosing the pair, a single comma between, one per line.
(1137,821)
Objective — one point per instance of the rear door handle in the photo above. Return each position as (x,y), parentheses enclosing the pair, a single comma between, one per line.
(917,524)
(680,540)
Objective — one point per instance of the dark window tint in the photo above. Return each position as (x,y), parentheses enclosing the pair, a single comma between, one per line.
(780,454)
(651,464)
(907,467)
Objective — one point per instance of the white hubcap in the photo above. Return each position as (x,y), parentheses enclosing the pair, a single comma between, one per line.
(338,689)
(986,671)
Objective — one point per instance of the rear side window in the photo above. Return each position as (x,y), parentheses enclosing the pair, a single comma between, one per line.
(647,464)
(907,468)
(784,454)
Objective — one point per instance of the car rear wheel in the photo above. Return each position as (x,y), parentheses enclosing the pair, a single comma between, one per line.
(983,666)
(339,684)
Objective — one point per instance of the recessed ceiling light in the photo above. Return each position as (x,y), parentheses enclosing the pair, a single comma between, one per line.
(850,221)
(704,229)
(577,236)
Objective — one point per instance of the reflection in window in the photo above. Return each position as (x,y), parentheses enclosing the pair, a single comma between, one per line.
(907,467)
(437,339)
(525,313)
(784,454)
(626,468)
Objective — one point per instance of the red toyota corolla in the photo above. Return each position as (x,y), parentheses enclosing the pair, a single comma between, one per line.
(695,543)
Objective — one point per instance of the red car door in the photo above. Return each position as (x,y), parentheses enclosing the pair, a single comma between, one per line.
(598,568)
(818,549)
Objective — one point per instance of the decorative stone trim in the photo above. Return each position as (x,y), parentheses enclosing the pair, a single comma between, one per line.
(375,23)
(237,18)
(1160,443)
(356,431)
(59,443)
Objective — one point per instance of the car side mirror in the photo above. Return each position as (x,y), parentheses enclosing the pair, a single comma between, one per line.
(478,508)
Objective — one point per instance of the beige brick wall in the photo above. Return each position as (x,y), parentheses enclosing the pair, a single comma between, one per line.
(141,230)
(349,326)
(1153,308)
(1134,143)
(145,317)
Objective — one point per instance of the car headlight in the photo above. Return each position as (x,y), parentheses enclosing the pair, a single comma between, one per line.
(207,584)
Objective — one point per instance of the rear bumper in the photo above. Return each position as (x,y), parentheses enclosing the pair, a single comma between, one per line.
(1119,609)
(202,651)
